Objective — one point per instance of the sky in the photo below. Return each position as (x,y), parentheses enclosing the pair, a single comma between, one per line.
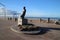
(35,8)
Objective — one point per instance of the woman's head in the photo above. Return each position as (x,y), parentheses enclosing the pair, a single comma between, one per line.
(24,7)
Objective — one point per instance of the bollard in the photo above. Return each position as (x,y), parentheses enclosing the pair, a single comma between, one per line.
(40,19)
(48,20)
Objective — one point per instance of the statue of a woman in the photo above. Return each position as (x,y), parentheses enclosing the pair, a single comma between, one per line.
(24,12)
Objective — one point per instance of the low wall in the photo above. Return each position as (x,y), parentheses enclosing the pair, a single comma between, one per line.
(38,21)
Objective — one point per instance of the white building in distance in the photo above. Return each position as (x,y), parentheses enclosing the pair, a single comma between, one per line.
(7,13)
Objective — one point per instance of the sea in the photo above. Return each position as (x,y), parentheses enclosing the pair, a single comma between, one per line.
(52,18)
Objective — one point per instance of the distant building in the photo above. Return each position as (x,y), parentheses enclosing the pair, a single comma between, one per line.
(7,13)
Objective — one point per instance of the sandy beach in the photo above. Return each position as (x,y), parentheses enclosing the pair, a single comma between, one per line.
(50,31)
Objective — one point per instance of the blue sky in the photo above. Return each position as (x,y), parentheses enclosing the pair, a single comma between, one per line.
(35,8)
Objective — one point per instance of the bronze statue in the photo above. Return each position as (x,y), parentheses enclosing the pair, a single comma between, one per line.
(24,12)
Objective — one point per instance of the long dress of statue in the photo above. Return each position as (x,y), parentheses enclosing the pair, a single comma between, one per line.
(24,12)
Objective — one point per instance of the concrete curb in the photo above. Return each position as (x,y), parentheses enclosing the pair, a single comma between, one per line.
(30,32)
(15,30)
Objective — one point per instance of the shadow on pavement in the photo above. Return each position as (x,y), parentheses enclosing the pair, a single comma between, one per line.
(44,30)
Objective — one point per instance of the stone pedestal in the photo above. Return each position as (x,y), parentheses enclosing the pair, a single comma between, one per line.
(22,21)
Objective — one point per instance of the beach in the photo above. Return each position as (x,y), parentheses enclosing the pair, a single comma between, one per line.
(50,31)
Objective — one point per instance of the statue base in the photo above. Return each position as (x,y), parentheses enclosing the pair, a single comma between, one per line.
(22,21)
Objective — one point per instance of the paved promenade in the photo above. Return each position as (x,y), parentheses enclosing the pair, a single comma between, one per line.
(48,33)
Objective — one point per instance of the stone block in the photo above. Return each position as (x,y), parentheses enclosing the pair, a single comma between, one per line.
(22,21)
